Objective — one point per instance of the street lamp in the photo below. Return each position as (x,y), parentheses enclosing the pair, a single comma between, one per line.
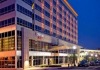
(91,54)
(86,53)
(74,57)
(96,55)
(86,57)
(92,58)
(74,47)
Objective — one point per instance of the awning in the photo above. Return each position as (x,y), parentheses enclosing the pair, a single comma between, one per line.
(55,48)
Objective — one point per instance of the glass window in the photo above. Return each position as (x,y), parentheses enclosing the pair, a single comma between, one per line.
(54,26)
(2,23)
(13,33)
(47,23)
(5,22)
(9,20)
(54,18)
(47,13)
(23,11)
(8,41)
(54,3)
(2,34)
(46,4)
(38,8)
(5,34)
(7,62)
(19,40)
(54,34)
(29,2)
(5,9)
(9,33)
(38,45)
(54,11)
(13,20)
(19,61)
(24,23)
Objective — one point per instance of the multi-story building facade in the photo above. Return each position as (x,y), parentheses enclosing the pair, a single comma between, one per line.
(35,32)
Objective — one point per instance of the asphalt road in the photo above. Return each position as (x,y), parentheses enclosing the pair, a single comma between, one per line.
(79,68)
(72,68)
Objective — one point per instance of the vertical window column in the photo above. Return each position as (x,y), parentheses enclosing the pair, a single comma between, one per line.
(63,35)
(67,23)
(19,61)
(70,22)
(51,10)
(57,18)
(42,5)
(19,40)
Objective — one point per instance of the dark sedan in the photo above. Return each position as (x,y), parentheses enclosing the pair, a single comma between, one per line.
(92,63)
(83,63)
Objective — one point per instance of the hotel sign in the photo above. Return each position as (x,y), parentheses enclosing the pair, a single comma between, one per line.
(39,35)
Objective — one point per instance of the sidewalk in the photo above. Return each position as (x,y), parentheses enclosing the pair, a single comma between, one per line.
(65,66)
(43,68)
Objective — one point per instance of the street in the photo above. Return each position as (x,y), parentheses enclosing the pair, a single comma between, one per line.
(71,68)
(82,68)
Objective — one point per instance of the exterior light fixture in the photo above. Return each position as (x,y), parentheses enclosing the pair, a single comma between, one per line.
(86,53)
(91,54)
(96,55)
(74,56)
(74,47)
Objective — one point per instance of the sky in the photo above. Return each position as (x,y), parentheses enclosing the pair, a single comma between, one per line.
(88,22)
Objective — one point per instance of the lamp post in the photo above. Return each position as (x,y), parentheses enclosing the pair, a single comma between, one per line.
(96,56)
(92,58)
(74,57)
(86,57)
(86,53)
(91,55)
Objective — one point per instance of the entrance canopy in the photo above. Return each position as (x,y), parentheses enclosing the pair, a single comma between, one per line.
(55,48)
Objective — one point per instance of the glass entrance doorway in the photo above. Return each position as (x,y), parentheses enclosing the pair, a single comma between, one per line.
(39,60)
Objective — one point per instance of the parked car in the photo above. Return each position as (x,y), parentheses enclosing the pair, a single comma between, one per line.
(97,62)
(83,63)
(92,63)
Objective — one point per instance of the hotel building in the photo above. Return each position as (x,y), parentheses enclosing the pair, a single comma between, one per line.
(89,54)
(36,32)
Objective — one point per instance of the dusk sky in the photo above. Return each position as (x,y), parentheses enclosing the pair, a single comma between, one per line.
(88,22)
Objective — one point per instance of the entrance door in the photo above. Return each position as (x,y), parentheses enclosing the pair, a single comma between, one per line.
(37,60)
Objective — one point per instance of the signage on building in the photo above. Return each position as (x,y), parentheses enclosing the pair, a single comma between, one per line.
(39,35)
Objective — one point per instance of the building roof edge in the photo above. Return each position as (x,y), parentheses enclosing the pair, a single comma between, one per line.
(70,7)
